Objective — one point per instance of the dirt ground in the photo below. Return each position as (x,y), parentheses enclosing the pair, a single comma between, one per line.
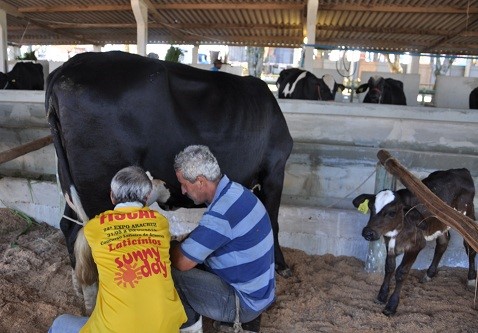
(325,294)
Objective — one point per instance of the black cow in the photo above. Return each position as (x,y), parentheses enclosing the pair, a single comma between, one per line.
(474,99)
(406,225)
(110,110)
(383,91)
(295,83)
(23,76)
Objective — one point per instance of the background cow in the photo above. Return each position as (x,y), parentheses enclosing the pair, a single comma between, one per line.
(383,91)
(23,76)
(110,110)
(295,83)
(474,99)
(406,225)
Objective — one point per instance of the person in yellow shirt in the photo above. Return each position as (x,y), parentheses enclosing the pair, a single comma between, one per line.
(130,246)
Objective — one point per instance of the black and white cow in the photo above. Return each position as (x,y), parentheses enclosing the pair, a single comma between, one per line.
(23,76)
(383,91)
(474,98)
(110,110)
(295,83)
(406,225)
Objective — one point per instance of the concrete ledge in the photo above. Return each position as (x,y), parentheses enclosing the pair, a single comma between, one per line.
(314,230)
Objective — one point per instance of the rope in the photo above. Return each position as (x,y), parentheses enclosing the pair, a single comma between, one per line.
(73,220)
(24,31)
(347,195)
(467,16)
(237,323)
(474,300)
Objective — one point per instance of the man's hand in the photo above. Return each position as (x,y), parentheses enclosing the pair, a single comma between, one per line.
(178,259)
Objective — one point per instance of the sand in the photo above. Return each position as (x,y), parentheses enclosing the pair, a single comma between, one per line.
(325,293)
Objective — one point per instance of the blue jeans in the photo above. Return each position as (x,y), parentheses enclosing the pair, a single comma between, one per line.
(204,293)
(67,323)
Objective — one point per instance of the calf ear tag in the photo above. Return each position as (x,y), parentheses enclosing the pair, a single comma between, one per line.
(363,207)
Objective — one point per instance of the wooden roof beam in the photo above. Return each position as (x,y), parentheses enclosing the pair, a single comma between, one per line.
(175,6)
(10,10)
(446,39)
(427,9)
(174,26)
(405,31)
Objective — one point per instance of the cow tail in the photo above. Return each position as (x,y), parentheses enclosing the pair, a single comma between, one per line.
(67,185)
(78,207)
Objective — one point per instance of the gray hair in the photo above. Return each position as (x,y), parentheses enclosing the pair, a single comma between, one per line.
(196,161)
(131,184)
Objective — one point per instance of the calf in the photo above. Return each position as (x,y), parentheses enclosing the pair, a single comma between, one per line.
(406,225)
(295,83)
(383,91)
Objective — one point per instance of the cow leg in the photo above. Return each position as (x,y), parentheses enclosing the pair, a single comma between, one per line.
(89,297)
(88,293)
(440,248)
(86,272)
(270,195)
(390,264)
(70,231)
(400,277)
(471,265)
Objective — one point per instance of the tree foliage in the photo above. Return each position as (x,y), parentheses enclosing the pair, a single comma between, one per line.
(28,56)
(173,54)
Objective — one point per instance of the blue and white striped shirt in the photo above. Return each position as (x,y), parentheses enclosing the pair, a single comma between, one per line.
(234,239)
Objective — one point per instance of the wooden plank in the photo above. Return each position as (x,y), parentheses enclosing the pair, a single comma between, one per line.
(461,223)
(25,149)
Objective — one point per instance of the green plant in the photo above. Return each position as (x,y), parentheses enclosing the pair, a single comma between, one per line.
(29,220)
(28,56)
(173,54)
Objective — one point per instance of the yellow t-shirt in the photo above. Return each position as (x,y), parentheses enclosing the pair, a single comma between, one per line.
(136,293)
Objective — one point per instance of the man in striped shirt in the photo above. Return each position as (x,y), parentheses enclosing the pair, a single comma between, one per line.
(224,269)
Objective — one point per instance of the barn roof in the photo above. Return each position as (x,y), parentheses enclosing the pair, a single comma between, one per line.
(422,26)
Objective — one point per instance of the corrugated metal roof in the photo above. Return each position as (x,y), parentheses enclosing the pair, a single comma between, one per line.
(429,26)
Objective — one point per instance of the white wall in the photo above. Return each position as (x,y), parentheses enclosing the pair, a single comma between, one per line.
(454,92)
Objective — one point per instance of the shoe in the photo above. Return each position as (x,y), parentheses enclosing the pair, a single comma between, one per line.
(253,326)
(195,328)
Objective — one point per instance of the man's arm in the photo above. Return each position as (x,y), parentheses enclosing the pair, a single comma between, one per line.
(179,260)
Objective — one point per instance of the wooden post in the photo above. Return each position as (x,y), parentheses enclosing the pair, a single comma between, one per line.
(461,223)
(24,149)
(375,261)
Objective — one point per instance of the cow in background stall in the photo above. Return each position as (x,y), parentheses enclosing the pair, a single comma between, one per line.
(295,83)
(23,76)
(383,91)
(474,98)
(406,225)
(114,109)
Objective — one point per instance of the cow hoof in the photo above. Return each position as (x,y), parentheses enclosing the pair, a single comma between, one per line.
(388,312)
(471,283)
(425,279)
(378,301)
(285,272)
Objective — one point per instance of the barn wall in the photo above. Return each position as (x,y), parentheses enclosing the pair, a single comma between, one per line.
(22,120)
(333,160)
(336,145)
(454,92)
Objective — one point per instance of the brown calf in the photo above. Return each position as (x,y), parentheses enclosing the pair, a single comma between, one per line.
(406,225)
